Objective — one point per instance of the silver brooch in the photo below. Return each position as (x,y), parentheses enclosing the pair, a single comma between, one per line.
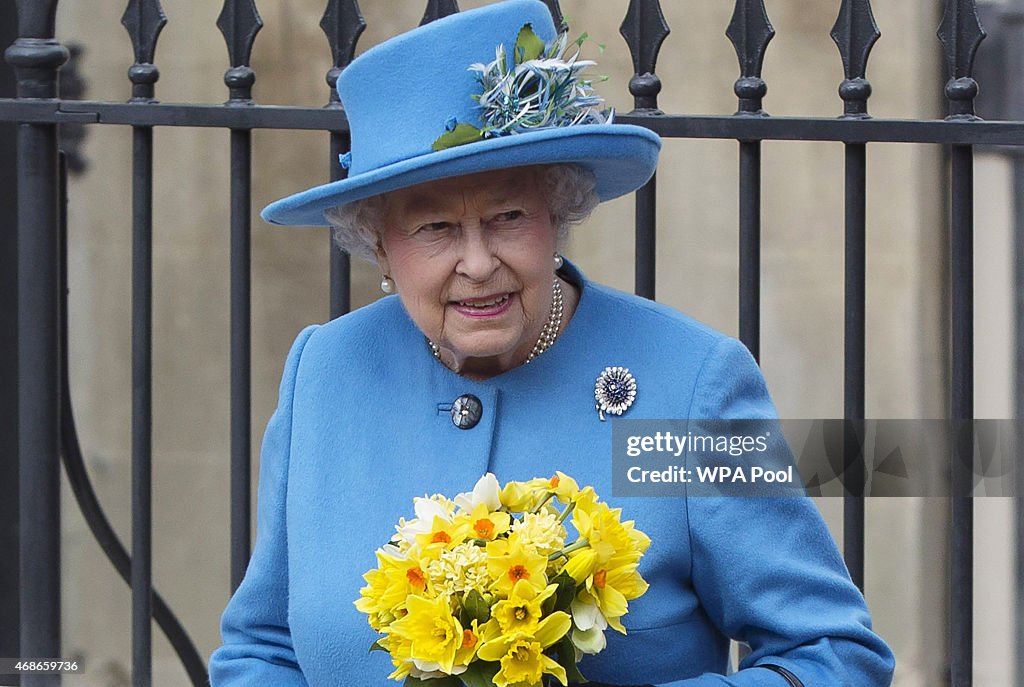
(614,391)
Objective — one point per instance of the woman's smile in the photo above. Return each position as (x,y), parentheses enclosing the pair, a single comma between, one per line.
(485,307)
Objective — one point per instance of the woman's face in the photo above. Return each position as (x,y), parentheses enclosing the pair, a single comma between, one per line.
(471,258)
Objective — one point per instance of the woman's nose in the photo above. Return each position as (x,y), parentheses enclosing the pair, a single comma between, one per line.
(477,260)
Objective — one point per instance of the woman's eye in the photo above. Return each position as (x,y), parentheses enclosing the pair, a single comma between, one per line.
(433,227)
(509,216)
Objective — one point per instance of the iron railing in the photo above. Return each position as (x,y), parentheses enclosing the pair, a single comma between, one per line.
(46,428)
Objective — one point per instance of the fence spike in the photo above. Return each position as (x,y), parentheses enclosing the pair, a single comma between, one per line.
(644,29)
(144,20)
(343,23)
(239,22)
(750,31)
(855,33)
(437,9)
(960,34)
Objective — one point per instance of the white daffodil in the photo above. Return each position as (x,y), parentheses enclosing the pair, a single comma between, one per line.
(587,616)
(486,491)
(426,510)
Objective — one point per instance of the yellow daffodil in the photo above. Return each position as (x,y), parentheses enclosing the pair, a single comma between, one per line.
(565,487)
(521,611)
(581,565)
(521,655)
(435,634)
(510,562)
(606,535)
(612,587)
(400,649)
(518,497)
(427,509)
(389,586)
(485,524)
(471,642)
(443,535)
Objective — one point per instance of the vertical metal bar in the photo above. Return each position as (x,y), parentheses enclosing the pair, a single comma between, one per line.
(143,19)
(1018,245)
(342,23)
(750,246)
(38,395)
(9,615)
(644,29)
(853,359)
(960,33)
(855,33)
(241,336)
(646,232)
(750,31)
(36,57)
(142,410)
(239,22)
(341,262)
(962,552)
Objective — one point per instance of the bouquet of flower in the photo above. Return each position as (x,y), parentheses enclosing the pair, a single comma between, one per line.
(490,588)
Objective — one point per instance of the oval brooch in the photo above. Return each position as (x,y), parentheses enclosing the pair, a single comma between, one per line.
(614,391)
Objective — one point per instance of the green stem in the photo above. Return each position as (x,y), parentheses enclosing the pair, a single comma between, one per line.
(575,546)
(565,513)
(540,505)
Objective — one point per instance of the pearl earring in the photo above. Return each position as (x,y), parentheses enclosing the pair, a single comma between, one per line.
(559,261)
(387,284)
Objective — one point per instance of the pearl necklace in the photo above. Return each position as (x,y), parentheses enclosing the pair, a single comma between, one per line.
(547,335)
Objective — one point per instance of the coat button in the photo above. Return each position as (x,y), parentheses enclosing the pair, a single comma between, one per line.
(466,411)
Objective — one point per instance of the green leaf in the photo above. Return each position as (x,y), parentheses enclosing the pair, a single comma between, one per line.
(376,646)
(561,600)
(528,45)
(567,659)
(476,606)
(450,681)
(460,135)
(581,39)
(480,674)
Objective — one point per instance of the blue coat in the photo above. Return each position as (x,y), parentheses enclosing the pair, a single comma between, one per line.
(362,427)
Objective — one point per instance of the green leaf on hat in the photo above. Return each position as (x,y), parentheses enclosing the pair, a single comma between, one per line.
(460,135)
(528,45)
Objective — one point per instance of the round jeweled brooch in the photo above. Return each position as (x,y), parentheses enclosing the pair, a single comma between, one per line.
(614,391)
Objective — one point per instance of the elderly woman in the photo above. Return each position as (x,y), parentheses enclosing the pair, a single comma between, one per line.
(486,361)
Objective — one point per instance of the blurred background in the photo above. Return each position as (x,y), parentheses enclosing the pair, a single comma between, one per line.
(802,288)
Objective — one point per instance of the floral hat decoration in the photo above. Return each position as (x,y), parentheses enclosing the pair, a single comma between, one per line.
(480,90)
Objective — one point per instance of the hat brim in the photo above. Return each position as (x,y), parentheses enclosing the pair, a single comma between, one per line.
(621,156)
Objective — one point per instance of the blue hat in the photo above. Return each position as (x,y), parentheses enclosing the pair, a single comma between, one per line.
(416,114)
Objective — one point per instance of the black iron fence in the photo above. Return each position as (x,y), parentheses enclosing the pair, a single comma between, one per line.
(46,432)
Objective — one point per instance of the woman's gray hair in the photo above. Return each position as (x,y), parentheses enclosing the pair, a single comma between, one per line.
(569,191)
